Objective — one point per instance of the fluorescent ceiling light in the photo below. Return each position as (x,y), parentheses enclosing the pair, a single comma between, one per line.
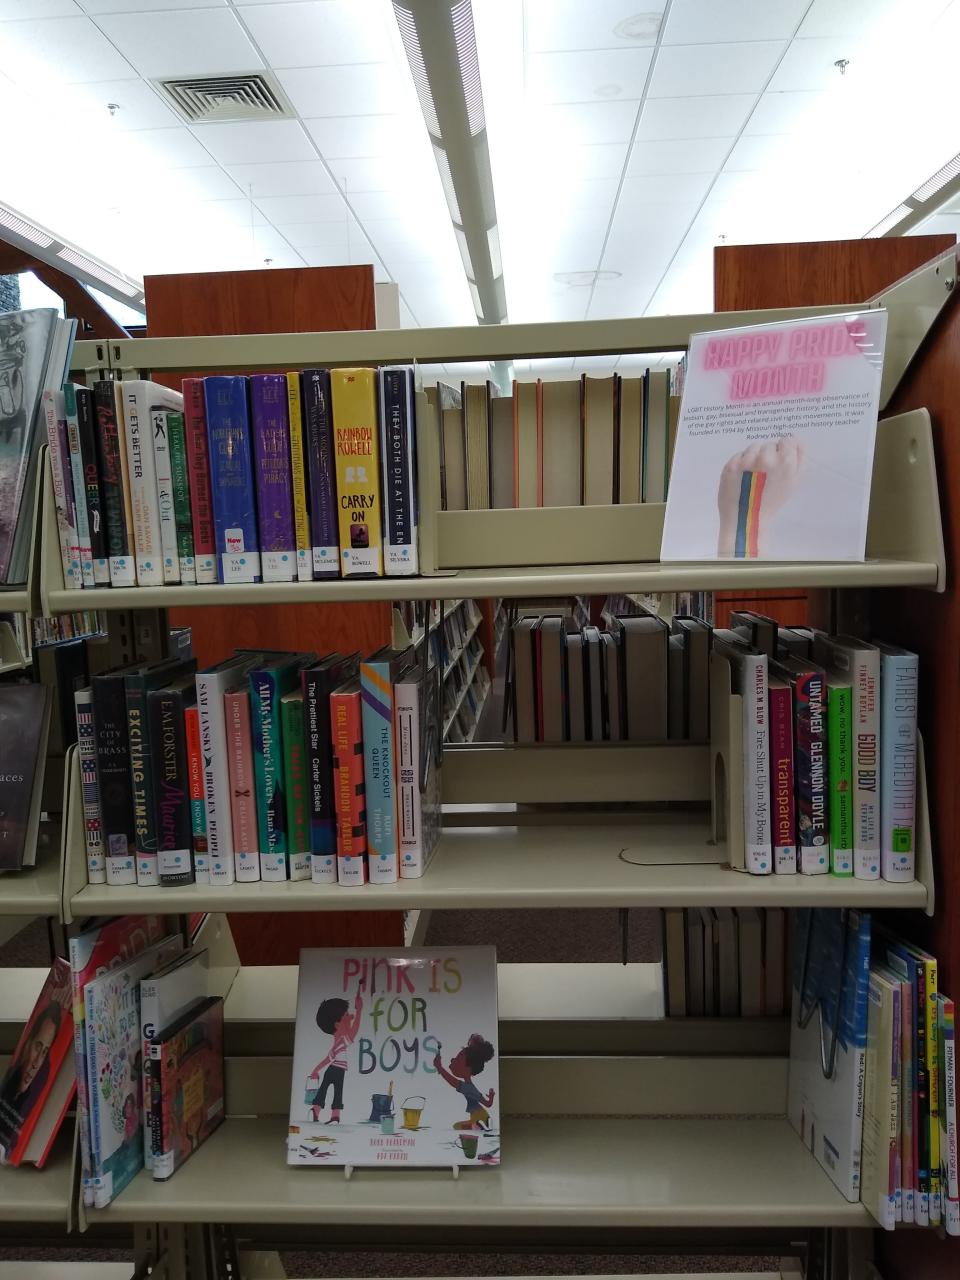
(926,200)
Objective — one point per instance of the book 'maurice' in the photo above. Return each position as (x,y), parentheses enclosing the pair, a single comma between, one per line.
(395,1059)
(777,421)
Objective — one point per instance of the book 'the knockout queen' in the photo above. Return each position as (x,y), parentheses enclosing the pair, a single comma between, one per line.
(395,1059)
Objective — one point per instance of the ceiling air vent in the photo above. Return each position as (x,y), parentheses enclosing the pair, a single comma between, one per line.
(253,96)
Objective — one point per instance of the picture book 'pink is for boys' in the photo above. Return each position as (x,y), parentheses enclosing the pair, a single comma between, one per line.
(774,450)
(395,1059)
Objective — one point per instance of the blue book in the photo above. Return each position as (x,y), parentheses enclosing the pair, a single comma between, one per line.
(378,674)
(231,479)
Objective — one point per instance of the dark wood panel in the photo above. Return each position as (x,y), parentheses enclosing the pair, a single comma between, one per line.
(789,611)
(278,938)
(751,276)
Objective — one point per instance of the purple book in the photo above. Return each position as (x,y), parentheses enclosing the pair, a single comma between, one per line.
(271,446)
(321,472)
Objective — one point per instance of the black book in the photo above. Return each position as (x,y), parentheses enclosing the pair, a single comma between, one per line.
(168,744)
(91,478)
(109,445)
(319,453)
(113,773)
(24,723)
(318,682)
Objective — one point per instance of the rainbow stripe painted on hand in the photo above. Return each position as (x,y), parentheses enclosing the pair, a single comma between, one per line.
(748,515)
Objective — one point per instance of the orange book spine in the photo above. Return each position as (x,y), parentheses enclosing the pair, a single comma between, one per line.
(347,733)
(243,803)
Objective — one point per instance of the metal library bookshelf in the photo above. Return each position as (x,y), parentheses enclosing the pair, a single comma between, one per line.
(618,1130)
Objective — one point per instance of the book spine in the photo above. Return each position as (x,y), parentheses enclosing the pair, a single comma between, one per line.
(949,1155)
(321,473)
(756,762)
(243,805)
(418,811)
(182,518)
(231,479)
(782,804)
(866,762)
(143,488)
(79,484)
(91,1021)
(62,489)
(271,446)
(90,787)
(922,1094)
(216,779)
(198,471)
(811,764)
(113,772)
(174,828)
(347,733)
(398,451)
(899,675)
(268,773)
(295,782)
(156,1107)
(122,571)
(301,513)
(908,1150)
(164,471)
(894,1187)
(198,812)
(934,1075)
(141,777)
(88,452)
(354,400)
(319,764)
(376,693)
(840,778)
(149,1027)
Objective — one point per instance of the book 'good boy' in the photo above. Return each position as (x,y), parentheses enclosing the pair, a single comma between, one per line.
(395,1058)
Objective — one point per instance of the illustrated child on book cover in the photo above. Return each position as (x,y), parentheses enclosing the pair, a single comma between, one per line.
(334,1017)
(467,1063)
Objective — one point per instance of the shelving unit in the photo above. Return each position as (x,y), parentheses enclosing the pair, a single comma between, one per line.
(671,1139)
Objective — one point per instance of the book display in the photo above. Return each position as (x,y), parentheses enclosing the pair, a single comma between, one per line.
(763,786)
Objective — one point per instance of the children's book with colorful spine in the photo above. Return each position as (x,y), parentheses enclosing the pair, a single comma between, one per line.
(395,1059)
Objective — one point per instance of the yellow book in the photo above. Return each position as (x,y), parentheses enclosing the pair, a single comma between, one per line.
(933,1068)
(354,396)
(301,518)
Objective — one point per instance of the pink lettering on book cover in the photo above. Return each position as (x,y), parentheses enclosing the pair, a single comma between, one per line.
(778,422)
(395,1060)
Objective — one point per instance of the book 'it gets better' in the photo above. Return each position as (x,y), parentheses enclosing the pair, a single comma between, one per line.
(395,1059)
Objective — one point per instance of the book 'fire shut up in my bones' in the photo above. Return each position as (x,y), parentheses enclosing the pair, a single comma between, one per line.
(774,450)
(395,1059)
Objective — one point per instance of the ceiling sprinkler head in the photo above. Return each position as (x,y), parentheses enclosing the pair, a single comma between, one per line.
(267,262)
(841,64)
(113,107)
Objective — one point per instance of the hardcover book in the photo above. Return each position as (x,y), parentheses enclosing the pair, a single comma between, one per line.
(114,483)
(198,812)
(879,1181)
(840,773)
(95,518)
(354,400)
(78,476)
(899,676)
(143,402)
(749,675)
(321,472)
(243,794)
(198,471)
(298,479)
(318,682)
(418,774)
(782,804)
(186,1085)
(777,420)
(270,680)
(810,763)
(166,713)
(419,1089)
(24,726)
(271,447)
(180,485)
(377,676)
(346,731)
(163,465)
(295,785)
(113,773)
(398,450)
(90,787)
(62,476)
(231,479)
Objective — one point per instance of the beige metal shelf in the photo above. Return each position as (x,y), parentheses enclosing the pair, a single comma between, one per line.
(556,1173)
(36,891)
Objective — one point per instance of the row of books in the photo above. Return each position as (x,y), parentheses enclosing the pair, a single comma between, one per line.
(465,699)
(35,350)
(275,477)
(556,444)
(872,1077)
(270,766)
(724,962)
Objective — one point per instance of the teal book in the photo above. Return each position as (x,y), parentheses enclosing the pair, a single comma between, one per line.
(269,683)
(378,675)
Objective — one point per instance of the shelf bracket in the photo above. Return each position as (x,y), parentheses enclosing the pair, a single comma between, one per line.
(912,304)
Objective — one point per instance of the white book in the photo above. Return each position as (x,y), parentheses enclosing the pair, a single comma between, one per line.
(163,997)
(399,466)
(899,676)
(90,787)
(749,678)
(418,810)
(140,398)
(881,1101)
(56,420)
(212,684)
(165,509)
(79,485)
(861,663)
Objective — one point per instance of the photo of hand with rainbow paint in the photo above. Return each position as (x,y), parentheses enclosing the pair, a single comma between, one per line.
(754,484)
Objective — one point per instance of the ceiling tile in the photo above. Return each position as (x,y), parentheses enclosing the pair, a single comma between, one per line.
(719,116)
(316,235)
(586,123)
(721,21)
(664,188)
(684,155)
(255,142)
(169,148)
(305,178)
(374,204)
(37,9)
(587,75)
(138,106)
(185,43)
(583,164)
(60,50)
(363,174)
(206,183)
(853,17)
(688,70)
(341,91)
(96,7)
(602,24)
(340,136)
(237,212)
(786,112)
(319,33)
(809,64)
(308,208)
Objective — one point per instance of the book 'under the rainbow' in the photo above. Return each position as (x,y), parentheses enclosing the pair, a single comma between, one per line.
(774,450)
(395,1058)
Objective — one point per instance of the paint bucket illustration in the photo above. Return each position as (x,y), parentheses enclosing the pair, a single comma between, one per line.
(468,1143)
(386,1123)
(381,1104)
(412,1111)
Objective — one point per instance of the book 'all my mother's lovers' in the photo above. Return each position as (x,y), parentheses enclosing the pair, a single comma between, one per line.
(395,1059)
